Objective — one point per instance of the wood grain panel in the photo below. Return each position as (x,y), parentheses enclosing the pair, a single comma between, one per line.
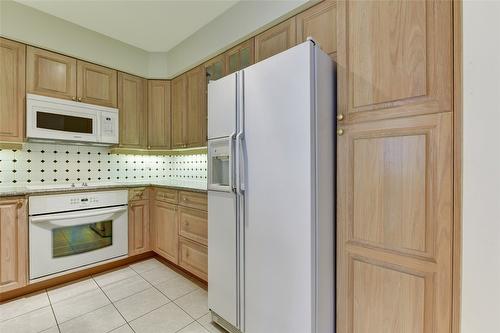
(240,56)
(193,200)
(138,227)
(196,121)
(96,84)
(13,244)
(179,109)
(193,224)
(320,23)
(159,115)
(50,74)
(386,300)
(394,208)
(12,90)
(165,230)
(193,257)
(132,105)
(275,40)
(394,59)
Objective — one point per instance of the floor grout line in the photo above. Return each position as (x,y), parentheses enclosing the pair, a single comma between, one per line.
(53,312)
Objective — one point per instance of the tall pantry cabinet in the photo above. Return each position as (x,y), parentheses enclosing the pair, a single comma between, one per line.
(394,206)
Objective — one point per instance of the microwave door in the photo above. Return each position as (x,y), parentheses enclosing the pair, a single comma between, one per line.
(220,164)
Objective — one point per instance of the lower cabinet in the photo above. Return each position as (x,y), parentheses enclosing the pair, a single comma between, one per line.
(13,244)
(165,230)
(138,227)
(193,257)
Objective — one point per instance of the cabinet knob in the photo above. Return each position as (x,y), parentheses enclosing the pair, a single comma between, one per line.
(149,147)
(340,117)
(340,132)
(73,98)
(79,99)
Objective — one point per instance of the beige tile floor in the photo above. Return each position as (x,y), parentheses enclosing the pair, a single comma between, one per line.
(144,297)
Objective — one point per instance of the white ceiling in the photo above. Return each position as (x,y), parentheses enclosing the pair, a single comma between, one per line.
(152,25)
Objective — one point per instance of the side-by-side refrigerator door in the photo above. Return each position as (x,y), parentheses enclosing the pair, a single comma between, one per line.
(222,200)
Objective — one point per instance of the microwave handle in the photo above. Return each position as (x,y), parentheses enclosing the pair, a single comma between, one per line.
(66,216)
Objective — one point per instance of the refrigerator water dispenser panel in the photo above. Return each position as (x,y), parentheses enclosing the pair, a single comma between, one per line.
(220,161)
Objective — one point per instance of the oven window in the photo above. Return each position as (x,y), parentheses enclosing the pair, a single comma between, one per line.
(61,122)
(67,241)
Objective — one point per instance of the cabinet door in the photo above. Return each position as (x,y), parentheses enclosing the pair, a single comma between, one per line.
(193,257)
(275,40)
(394,225)
(50,74)
(133,110)
(179,107)
(12,90)
(196,126)
(394,58)
(96,84)
(159,114)
(13,244)
(193,224)
(165,231)
(215,68)
(138,227)
(240,56)
(320,23)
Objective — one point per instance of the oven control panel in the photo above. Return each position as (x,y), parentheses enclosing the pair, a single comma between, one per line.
(54,203)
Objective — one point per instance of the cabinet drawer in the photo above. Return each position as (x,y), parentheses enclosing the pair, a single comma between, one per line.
(167,195)
(139,193)
(193,200)
(193,257)
(193,224)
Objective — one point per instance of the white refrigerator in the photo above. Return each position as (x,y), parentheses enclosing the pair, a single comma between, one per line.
(271,200)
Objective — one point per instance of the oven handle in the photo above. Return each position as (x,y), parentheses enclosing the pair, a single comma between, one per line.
(65,216)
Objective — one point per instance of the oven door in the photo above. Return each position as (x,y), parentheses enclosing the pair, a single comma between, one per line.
(64,241)
(48,120)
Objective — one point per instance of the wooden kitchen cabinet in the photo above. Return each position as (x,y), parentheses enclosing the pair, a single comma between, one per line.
(12,90)
(320,23)
(13,243)
(215,68)
(401,65)
(395,225)
(196,115)
(50,74)
(138,227)
(96,84)
(193,224)
(165,230)
(240,56)
(132,103)
(159,114)
(275,40)
(179,109)
(193,257)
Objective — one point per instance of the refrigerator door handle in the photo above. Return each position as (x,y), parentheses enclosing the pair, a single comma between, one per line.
(239,162)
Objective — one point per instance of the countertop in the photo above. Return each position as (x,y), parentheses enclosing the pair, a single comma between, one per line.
(9,191)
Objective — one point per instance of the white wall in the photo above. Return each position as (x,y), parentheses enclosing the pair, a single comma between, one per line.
(481,168)
(25,24)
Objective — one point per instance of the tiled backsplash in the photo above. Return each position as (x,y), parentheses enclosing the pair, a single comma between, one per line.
(40,163)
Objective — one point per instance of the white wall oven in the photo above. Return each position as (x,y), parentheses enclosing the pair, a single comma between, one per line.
(68,231)
(54,119)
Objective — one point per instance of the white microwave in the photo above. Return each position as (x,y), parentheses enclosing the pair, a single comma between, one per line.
(54,119)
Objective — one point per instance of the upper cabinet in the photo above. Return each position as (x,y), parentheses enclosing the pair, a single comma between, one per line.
(132,94)
(240,56)
(275,40)
(196,134)
(394,59)
(179,95)
(320,23)
(96,84)
(159,114)
(189,111)
(215,68)
(12,90)
(50,74)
